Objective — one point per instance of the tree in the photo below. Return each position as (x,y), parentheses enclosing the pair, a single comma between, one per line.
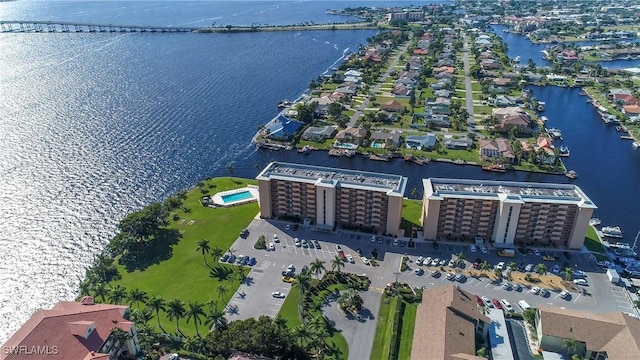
(195,312)
(497,272)
(570,345)
(541,269)
(302,282)
(229,169)
(460,256)
(216,320)
(175,310)
(203,246)
(485,266)
(141,316)
(337,263)
(511,267)
(350,300)
(568,273)
(216,253)
(137,296)
(335,110)
(157,303)
(119,337)
(301,332)
(317,267)
(222,291)
(100,290)
(117,294)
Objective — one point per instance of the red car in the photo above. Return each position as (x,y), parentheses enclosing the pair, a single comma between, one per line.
(497,304)
(480,302)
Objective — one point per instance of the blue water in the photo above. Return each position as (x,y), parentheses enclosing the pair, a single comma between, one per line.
(244,195)
(520,45)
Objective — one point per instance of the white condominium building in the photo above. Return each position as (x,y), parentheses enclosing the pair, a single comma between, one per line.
(505,212)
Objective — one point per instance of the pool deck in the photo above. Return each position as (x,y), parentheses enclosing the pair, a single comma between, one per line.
(219,201)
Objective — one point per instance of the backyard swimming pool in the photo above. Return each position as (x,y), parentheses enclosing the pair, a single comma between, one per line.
(230,198)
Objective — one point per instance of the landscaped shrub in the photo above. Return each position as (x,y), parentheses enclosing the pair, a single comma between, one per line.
(261,244)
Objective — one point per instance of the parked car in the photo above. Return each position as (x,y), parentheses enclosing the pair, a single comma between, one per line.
(529,268)
(536,252)
(516,287)
(252,261)
(418,271)
(452,263)
(435,262)
(564,294)
(451,276)
(544,292)
(582,282)
(288,227)
(535,290)
(419,260)
(224,258)
(395,242)
(305,244)
(278,294)
(373,238)
(506,305)
(276,239)
(350,258)
(288,279)
(231,259)
(473,248)
(579,274)
(500,265)
(479,300)
(244,233)
(506,286)
(271,247)
(297,242)
(435,273)
(484,249)
(549,258)
(338,248)
(443,262)
(365,260)
(460,277)
(291,268)
(427,261)
(174,357)
(556,269)
(497,304)
(487,302)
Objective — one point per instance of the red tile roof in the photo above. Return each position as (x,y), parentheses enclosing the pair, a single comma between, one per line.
(56,332)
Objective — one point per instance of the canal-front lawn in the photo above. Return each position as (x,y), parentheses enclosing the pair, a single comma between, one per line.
(178,271)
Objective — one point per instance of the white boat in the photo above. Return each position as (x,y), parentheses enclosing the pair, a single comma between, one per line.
(555,133)
(516,59)
(612,231)
(636,144)
(594,222)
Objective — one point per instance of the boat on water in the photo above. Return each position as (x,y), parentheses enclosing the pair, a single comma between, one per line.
(284,104)
(564,151)
(495,168)
(612,231)
(594,222)
(544,119)
(305,149)
(555,133)
(571,174)
(516,59)
(636,144)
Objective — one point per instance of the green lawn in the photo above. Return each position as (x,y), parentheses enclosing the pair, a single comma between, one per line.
(408,325)
(592,242)
(177,271)
(411,212)
(384,328)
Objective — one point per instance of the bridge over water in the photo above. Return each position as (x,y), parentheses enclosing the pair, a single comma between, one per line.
(64,26)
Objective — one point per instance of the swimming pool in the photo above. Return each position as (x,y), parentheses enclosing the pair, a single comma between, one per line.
(236,197)
(239,196)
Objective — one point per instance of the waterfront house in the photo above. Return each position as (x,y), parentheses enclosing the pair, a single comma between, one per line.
(75,330)
(632,111)
(282,128)
(499,148)
(625,99)
(504,101)
(392,106)
(347,90)
(598,336)
(322,104)
(319,134)
(503,82)
(448,325)
(512,117)
(463,143)
(611,95)
(421,142)
(386,138)
(351,135)
(545,150)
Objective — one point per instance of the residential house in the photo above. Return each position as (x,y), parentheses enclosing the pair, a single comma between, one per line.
(490,64)
(442,93)
(420,51)
(282,128)
(439,105)
(448,325)
(614,92)
(405,80)
(545,150)
(443,75)
(625,99)
(632,111)
(503,82)
(319,134)
(347,90)
(463,143)
(483,43)
(423,44)
(447,69)
(401,90)
(351,135)
(504,101)
(421,142)
(74,330)
(353,76)
(512,117)
(420,120)
(386,138)
(598,336)
(392,106)
(499,148)
(445,62)
(322,104)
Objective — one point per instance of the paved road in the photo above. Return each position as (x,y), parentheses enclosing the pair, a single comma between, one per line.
(265,277)
(401,50)
(467,80)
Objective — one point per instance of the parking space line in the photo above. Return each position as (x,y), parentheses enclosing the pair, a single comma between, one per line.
(577,297)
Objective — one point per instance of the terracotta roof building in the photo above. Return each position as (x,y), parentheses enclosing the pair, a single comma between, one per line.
(447,324)
(600,336)
(73,331)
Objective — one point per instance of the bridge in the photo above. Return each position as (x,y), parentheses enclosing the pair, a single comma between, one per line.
(64,26)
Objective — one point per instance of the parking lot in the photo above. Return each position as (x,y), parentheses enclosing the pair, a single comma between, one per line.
(265,277)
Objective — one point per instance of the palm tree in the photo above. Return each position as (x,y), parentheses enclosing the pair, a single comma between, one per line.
(541,269)
(337,263)
(511,267)
(216,320)
(301,332)
(99,290)
(203,246)
(302,282)
(175,310)
(571,345)
(222,291)
(117,294)
(157,303)
(460,256)
(568,273)
(485,266)
(317,267)
(119,337)
(137,296)
(141,316)
(216,252)
(497,272)
(194,311)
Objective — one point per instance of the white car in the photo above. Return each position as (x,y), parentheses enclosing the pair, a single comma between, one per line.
(427,261)
(373,238)
(500,265)
(271,247)
(506,305)
(579,274)
(487,302)
(365,260)
(460,277)
(291,268)
(536,252)
(350,258)
(419,260)
(443,262)
(338,248)
(556,269)
(582,282)
(484,249)
(451,276)
(297,242)
(564,294)
(278,294)
(535,290)
(435,262)
(288,227)
(529,268)
(452,263)
(473,248)
(418,271)
(276,238)
(395,242)
(174,357)
(506,286)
